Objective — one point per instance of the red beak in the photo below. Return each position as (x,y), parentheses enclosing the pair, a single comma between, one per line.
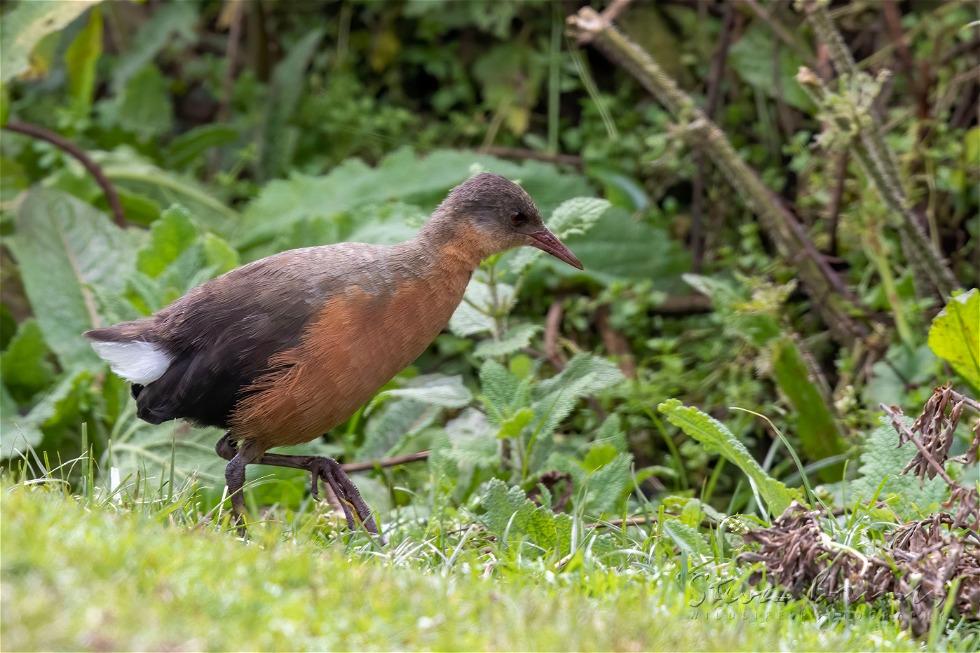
(548,242)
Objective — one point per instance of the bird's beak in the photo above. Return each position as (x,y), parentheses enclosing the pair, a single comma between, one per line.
(548,242)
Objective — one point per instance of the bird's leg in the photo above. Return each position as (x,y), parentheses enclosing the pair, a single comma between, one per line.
(333,474)
(320,467)
(238,458)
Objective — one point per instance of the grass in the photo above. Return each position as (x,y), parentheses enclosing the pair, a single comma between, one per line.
(82,573)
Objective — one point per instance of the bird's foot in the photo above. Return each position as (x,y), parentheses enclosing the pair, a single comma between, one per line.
(356,511)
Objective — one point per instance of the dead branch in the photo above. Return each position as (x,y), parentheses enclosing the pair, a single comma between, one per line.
(386,462)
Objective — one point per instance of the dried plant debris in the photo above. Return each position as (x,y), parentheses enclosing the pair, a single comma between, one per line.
(920,564)
(917,566)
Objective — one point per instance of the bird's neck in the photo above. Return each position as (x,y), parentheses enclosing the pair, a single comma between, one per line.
(454,245)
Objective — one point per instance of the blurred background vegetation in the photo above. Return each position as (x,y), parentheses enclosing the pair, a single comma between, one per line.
(227,131)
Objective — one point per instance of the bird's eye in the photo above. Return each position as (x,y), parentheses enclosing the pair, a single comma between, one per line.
(518,219)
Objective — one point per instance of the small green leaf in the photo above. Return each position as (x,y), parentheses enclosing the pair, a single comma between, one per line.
(219,255)
(513,425)
(955,336)
(144,106)
(190,146)
(170,236)
(716,438)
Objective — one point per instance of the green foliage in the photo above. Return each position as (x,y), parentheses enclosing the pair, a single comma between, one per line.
(955,336)
(24,365)
(64,248)
(717,438)
(82,57)
(512,517)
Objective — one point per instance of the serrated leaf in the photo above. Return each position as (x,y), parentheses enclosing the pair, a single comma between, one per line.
(608,484)
(434,389)
(147,449)
(882,461)
(514,340)
(584,375)
(480,303)
(686,538)
(23,27)
(509,512)
(63,246)
(955,336)
(23,365)
(499,389)
(716,438)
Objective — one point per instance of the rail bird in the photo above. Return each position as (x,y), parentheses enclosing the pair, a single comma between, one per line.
(283,349)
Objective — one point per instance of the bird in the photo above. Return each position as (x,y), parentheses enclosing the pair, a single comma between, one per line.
(279,351)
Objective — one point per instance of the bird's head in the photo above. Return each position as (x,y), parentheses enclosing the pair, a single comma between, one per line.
(497,215)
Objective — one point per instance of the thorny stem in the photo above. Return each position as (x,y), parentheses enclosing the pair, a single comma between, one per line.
(878,160)
(836,304)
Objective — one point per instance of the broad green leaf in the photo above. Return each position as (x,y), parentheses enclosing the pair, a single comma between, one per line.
(170,236)
(23,365)
(63,247)
(882,462)
(619,247)
(955,336)
(147,449)
(584,375)
(716,438)
(81,59)
(434,389)
(514,340)
(26,24)
(813,420)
